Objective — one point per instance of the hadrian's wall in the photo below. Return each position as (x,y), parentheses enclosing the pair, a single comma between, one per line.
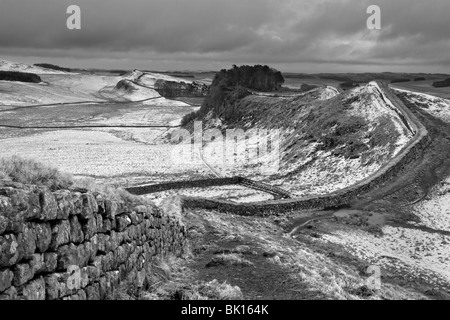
(74,245)
(398,164)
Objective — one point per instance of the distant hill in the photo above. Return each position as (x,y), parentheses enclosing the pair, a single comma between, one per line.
(365,77)
(52,67)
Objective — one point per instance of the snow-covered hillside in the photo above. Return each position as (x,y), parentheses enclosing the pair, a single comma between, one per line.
(22,67)
(328,140)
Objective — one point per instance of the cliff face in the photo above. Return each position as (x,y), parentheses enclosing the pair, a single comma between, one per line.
(167,86)
(172,89)
(73,245)
(229,87)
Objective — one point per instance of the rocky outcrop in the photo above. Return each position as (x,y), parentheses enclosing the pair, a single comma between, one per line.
(72,245)
(172,89)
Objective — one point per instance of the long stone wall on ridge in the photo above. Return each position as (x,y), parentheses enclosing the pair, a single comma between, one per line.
(409,153)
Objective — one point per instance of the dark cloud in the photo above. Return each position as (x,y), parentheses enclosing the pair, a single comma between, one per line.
(292,34)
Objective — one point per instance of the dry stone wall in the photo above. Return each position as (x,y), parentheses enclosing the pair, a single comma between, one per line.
(213,182)
(72,245)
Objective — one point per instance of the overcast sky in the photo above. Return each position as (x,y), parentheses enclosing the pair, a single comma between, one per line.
(291,35)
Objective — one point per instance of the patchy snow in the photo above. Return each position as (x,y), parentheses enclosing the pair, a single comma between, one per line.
(322,172)
(380,105)
(419,253)
(434,211)
(125,90)
(328,174)
(327,93)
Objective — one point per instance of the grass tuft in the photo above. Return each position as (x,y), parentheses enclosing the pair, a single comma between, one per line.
(111,192)
(27,171)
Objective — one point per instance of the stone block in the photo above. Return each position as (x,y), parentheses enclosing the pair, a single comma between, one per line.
(9,250)
(34,290)
(64,204)
(22,274)
(6,278)
(60,234)
(43,233)
(76,232)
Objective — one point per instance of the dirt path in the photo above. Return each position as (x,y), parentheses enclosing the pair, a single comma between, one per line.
(259,278)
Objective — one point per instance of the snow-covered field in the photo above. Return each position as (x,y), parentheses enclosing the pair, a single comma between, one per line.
(95,153)
(25,94)
(103,152)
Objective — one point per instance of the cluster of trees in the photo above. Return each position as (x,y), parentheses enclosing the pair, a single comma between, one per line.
(19,76)
(260,78)
(441,84)
(52,67)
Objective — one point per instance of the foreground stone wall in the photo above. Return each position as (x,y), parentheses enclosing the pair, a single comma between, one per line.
(78,245)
